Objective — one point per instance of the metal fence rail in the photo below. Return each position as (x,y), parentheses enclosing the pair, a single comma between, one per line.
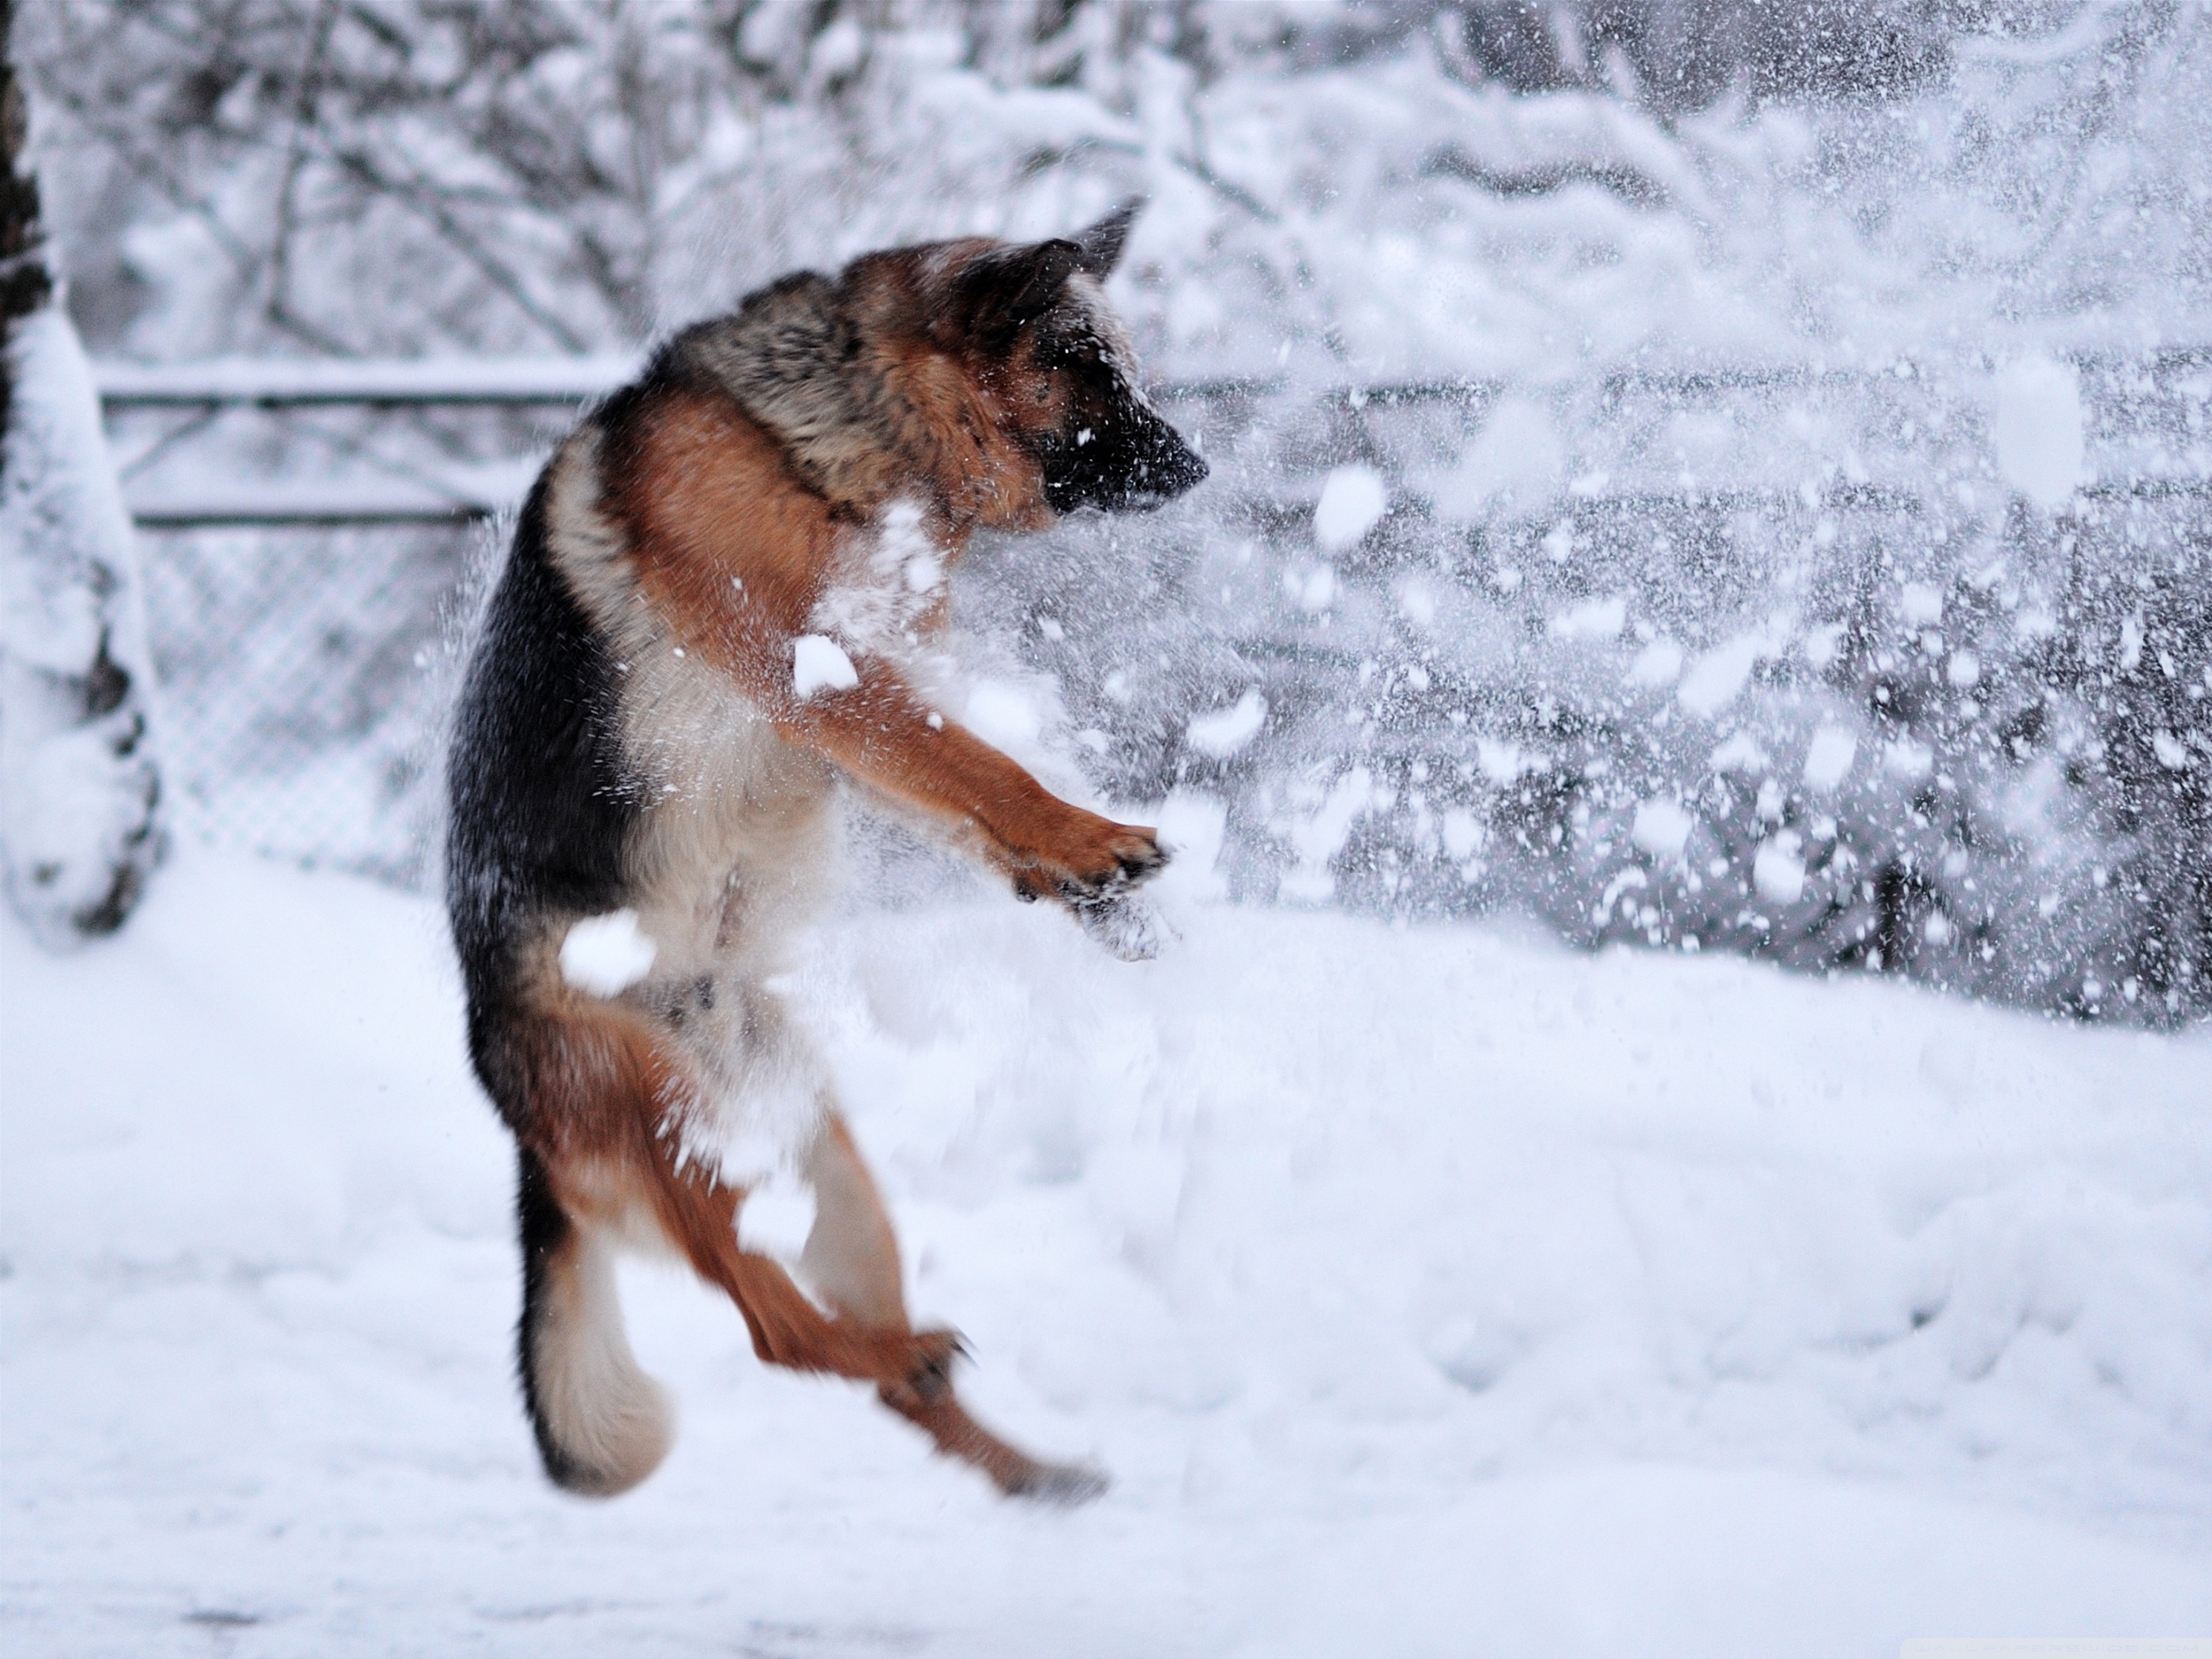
(409,492)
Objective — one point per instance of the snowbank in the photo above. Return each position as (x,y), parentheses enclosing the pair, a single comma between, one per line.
(1427,1292)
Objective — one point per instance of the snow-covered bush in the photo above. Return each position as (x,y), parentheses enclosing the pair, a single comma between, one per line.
(79,789)
(1716,474)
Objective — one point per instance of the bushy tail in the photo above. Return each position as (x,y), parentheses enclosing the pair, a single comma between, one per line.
(603,1425)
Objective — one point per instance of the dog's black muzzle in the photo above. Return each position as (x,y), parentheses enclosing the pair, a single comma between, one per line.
(1132,466)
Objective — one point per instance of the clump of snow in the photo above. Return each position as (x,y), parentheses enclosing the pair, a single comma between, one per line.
(607,955)
(1314,591)
(1662,828)
(1828,757)
(1718,677)
(1601,618)
(1003,714)
(1777,873)
(819,663)
(1920,604)
(1503,762)
(1225,731)
(1319,837)
(1193,827)
(1904,758)
(1742,752)
(2037,430)
(1659,662)
(1462,833)
(1354,500)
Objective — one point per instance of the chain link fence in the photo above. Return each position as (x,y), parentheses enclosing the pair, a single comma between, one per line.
(309,532)
(303,676)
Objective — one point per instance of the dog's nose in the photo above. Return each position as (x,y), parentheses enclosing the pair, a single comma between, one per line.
(1173,466)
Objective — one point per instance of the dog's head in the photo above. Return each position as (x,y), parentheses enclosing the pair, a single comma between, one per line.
(1031,322)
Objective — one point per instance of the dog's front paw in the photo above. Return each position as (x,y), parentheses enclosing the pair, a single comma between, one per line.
(1093,859)
(1064,1485)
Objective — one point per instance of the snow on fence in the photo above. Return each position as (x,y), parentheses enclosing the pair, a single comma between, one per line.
(1895,666)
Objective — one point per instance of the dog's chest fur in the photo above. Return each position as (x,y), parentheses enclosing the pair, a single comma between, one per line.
(736,836)
(734,827)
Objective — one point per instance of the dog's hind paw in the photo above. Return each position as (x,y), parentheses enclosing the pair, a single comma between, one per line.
(921,1367)
(1063,1485)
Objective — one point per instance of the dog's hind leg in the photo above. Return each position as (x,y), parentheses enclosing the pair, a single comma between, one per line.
(602,1424)
(1014,1472)
(851,1261)
(698,1212)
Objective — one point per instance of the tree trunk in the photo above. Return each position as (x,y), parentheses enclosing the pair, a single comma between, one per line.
(79,789)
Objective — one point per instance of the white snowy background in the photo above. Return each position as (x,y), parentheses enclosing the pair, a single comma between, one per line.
(1706,482)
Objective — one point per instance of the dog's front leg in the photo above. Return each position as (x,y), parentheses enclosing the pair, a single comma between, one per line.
(884,733)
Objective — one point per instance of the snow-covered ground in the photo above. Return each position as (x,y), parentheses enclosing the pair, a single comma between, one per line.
(1428,1292)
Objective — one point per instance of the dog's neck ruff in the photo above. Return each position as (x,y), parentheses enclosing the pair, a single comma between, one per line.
(793,358)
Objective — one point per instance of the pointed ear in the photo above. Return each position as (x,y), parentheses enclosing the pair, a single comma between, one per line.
(1103,243)
(1009,286)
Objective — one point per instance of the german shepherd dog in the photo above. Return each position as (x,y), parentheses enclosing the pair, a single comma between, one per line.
(719,602)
